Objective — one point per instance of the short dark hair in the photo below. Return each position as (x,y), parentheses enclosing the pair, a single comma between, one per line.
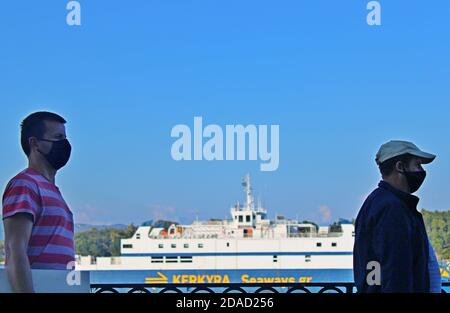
(34,126)
(387,167)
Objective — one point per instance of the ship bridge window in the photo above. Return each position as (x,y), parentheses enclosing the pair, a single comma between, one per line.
(249,218)
(128,246)
(241,218)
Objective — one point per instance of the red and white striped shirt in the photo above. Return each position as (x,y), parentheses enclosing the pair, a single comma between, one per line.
(51,245)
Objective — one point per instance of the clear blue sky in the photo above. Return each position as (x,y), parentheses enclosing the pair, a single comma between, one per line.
(134,69)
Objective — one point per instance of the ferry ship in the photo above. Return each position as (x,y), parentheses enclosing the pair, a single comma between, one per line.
(247,248)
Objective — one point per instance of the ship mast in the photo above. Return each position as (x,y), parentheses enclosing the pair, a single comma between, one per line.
(250,201)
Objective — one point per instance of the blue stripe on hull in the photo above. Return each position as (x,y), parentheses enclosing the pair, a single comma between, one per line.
(225,276)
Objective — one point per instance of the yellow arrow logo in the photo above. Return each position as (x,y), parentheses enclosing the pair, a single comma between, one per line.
(161,279)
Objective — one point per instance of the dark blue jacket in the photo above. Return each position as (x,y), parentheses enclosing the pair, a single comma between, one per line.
(390,231)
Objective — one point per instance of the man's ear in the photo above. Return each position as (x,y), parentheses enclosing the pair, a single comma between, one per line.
(400,167)
(33,142)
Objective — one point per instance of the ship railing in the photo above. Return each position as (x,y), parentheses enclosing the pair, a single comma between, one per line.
(235,288)
(331,235)
(211,236)
(312,235)
(316,235)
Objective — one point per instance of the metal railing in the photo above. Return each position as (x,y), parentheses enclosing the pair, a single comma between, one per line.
(321,288)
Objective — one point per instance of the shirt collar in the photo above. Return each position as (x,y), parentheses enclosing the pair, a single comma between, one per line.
(410,200)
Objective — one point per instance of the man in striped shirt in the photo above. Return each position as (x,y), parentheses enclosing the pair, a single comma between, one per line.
(37,221)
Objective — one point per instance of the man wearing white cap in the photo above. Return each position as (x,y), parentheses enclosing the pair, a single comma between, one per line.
(391,240)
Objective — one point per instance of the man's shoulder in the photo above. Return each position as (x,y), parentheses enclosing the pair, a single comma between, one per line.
(378,197)
(23,178)
(379,201)
(26,175)
(384,197)
(21,196)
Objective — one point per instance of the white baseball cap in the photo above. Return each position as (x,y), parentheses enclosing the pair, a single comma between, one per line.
(396,148)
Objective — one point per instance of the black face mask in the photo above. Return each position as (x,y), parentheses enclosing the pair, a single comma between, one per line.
(59,154)
(415,179)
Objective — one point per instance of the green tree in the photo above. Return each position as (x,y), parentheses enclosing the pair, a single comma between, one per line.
(102,243)
(438,226)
